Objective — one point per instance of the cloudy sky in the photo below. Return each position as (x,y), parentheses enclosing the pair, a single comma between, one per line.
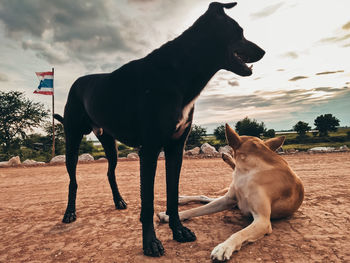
(305,72)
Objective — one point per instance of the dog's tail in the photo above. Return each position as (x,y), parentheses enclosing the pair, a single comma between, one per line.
(59,118)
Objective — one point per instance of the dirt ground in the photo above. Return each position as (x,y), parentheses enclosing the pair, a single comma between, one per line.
(33,201)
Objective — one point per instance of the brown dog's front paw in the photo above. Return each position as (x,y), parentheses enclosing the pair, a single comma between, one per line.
(183,234)
(163,217)
(154,248)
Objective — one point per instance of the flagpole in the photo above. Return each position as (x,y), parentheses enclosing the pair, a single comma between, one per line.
(53,112)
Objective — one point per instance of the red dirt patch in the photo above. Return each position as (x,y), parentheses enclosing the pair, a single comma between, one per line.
(33,201)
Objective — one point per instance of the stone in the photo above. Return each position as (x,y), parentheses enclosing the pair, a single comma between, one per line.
(4,164)
(194,151)
(206,148)
(14,161)
(226,149)
(86,157)
(344,148)
(133,156)
(29,162)
(291,151)
(322,149)
(280,150)
(58,159)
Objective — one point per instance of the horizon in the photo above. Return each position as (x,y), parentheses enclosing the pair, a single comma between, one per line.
(305,72)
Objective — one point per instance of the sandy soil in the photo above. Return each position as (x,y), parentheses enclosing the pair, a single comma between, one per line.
(33,201)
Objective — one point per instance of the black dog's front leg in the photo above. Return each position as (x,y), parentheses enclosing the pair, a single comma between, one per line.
(173,157)
(148,164)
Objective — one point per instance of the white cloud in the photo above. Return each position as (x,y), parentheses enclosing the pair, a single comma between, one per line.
(83,37)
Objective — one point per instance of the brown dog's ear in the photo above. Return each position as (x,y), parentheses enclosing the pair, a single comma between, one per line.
(232,137)
(275,143)
(219,7)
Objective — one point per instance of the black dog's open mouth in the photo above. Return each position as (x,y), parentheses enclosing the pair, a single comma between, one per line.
(240,54)
(241,60)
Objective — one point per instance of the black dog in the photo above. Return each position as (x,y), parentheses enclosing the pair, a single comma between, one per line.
(149,103)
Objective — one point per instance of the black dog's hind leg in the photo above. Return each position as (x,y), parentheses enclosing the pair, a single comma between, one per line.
(148,164)
(109,146)
(173,160)
(72,149)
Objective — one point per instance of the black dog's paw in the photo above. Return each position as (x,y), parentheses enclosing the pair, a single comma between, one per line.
(120,204)
(154,248)
(183,234)
(69,217)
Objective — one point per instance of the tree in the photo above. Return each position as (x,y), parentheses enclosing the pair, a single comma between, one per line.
(18,115)
(59,137)
(195,137)
(86,146)
(219,133)
(326,123)
(250,127)
(270,133)
(301,128)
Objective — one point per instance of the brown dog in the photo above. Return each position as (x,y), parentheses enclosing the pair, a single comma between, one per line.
(263,185)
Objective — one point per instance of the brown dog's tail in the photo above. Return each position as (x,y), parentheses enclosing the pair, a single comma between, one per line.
(59,118)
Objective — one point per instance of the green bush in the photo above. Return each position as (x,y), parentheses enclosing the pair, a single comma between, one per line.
(270,133)
(196,136)
(219,133)
(250,127)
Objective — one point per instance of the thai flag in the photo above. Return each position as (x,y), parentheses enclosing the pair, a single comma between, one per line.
(46,83)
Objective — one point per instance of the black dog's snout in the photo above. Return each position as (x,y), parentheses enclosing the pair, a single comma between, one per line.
(260,53)
(250,51)
(254,52)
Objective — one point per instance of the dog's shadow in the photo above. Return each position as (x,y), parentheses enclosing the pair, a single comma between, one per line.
(60,227)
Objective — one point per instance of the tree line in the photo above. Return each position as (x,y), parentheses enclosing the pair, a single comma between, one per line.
(323,124)
(19,117)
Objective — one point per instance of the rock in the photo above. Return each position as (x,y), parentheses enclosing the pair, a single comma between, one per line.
(291,151)
(58,159)
(226,149)
(280,150)
(14,161)
(161,154)
(86,157)
(206,148)
(102,159)
(4,164)
(133,156)
(322,149)
(344,148)
(29,162)
(194,151)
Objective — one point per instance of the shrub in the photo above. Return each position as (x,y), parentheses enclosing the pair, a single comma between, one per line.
(270,133)
(250,127)
(301,128)
(326,123)
(195,137)
(219,133)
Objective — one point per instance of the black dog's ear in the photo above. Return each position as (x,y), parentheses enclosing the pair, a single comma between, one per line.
(219,7)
